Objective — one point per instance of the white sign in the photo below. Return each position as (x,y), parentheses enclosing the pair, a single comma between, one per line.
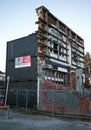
(23,61)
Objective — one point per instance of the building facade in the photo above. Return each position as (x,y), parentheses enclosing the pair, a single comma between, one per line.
(61,50)
(21,62)
(2,80)
(52,54)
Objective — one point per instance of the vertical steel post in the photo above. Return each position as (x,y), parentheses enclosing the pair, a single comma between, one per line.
(17,98)
(6,90)
(52,102)
(26,100)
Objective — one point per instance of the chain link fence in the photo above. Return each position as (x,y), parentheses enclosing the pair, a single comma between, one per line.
(24,99)
(64,102)
(53,102)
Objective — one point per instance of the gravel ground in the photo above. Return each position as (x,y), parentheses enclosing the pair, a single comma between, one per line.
(19,121)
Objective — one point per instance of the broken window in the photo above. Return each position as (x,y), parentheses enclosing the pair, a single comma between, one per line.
(55,47)
(64,38)
(61,50)
(74,44)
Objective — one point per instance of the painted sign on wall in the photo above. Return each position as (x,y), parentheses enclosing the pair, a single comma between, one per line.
(23,61)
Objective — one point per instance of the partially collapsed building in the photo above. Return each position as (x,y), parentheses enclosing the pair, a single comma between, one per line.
(53,54)
(60,50)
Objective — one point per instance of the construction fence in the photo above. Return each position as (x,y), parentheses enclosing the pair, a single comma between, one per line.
(50,101)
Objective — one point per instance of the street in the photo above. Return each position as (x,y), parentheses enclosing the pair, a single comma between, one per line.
(19,121)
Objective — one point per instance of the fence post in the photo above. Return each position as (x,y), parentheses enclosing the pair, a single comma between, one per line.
(52,102)
(26,99)
(17,98)
(6,96)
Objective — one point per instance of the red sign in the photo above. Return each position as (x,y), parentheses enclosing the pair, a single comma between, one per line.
(26,59)
(23,61)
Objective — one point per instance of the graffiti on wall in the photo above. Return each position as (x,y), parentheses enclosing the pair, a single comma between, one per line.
(63,100)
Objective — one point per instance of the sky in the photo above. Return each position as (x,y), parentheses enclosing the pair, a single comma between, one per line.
(18,17)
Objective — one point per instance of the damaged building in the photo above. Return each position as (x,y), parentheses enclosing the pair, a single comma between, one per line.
(60,50)
(52,54)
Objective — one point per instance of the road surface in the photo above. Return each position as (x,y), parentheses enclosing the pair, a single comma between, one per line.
(19,121)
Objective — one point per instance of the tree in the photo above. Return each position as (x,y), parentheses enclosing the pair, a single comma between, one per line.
(87,60)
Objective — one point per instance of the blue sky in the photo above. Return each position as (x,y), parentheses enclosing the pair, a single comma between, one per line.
(18,17)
